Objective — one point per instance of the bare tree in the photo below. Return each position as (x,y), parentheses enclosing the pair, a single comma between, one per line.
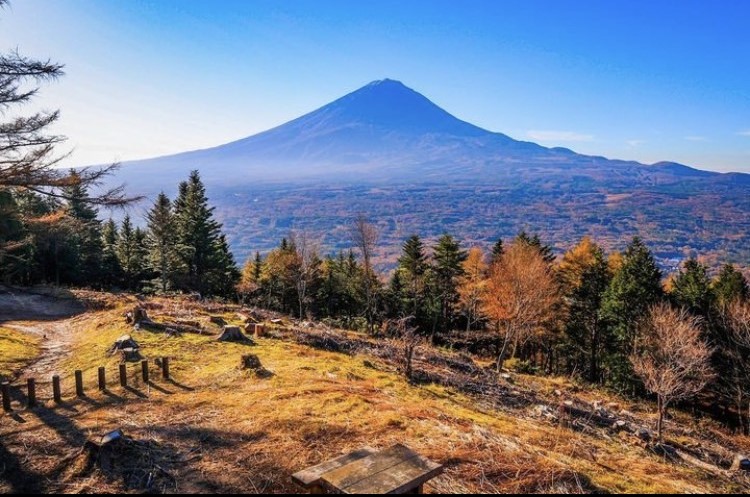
(304,267)
(408,341)
(520,296)
(671,357)
(365,237)
(735,353)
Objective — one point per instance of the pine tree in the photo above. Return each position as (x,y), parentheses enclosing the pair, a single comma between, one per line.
(127,253)
(692,289)
(585,276)
(111,269)
(448,258)
(413,267)
(224,273)
(497,251)
(209,266)
(729,286)
(13,239)
(84,242)
(162,242)
(633,290)
(534,241)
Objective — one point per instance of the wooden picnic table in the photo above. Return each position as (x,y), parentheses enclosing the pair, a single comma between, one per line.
(397,470)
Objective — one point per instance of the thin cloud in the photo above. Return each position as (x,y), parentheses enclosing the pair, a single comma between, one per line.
(744,133)
(559,136)
(635,143)
(696,138)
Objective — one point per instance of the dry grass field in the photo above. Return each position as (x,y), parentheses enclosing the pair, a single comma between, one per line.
(215,427)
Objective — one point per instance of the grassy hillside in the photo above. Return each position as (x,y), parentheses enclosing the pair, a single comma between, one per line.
(217,428)
(17,349)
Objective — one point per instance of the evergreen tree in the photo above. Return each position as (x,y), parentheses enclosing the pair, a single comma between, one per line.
(691,289)
(111,269)
(412,266)
(250,279)
(13,242)
(204,254)
(162,242)
(633,290)
(585,276)
(534,241)
(497,251)
(128,253)
(448,258)
(84,245)
(729,286)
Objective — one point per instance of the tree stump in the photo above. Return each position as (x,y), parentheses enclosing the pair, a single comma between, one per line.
(137,315)
(251,361)
(233,334)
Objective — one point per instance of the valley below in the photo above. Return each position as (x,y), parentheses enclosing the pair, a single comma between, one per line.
(677,221)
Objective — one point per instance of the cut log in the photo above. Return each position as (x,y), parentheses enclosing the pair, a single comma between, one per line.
(124,342)
(147,324)
(233,334)
(130,355)
(255,329)
(591,417)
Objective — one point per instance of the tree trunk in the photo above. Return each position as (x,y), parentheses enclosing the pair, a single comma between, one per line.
(660,423)
(501,351)
(593,362)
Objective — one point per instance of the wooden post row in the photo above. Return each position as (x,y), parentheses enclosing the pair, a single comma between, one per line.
(31,384)
(123,375)
(165,367)
(5,388)
(56,393)
(79,384)
(102,379)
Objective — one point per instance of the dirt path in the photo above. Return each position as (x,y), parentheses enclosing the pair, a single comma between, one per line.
(46,317)
(57,342)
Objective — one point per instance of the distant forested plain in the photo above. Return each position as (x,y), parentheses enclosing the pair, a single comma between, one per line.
(678,221)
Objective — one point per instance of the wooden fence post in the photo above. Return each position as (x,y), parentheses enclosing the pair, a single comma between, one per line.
(5,388)
(123,375)
(165,367)
(79,384)
(144,370)
(56,394)
(31,386)
(102,379)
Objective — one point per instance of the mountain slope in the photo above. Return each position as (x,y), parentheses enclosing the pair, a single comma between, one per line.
(386,131)
(387,151)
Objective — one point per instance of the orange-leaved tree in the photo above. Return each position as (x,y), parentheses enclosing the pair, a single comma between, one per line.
(520,296)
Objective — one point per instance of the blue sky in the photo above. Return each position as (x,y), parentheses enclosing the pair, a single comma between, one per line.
(651,80)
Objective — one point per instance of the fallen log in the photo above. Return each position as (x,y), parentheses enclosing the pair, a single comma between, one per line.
(590,417)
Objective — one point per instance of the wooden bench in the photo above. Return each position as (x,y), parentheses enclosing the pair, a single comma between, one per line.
(309,478)
(397,470)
